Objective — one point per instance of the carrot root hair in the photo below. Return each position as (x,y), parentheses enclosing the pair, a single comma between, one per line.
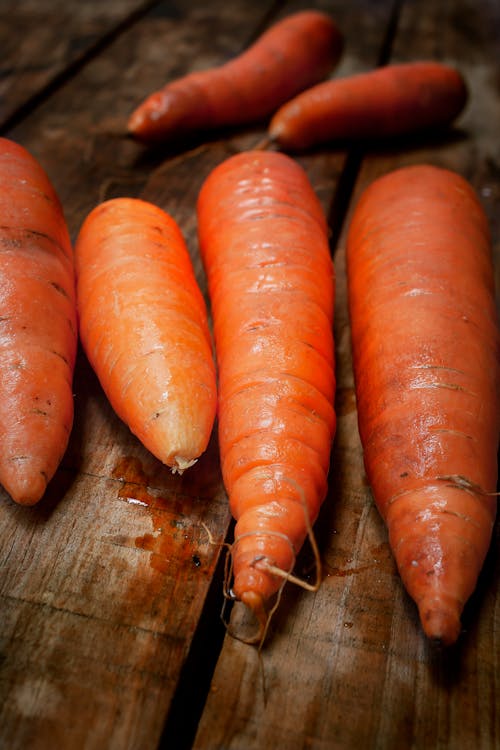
(463,483)
(253,600)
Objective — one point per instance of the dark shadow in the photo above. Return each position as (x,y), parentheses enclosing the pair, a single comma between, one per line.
(196,675)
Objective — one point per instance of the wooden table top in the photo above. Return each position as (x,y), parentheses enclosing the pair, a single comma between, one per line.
(111,588)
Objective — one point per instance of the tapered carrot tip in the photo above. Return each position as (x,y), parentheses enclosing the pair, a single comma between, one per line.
(255,603)
(138,120)
(180,464)
(24,487)
(440,620)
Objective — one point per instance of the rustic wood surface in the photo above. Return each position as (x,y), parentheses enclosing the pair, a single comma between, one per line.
(111,588)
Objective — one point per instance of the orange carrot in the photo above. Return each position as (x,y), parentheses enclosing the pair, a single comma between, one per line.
(263,239)
(390,101)
(295,53)
(143,325)
(426,362)
(37,326)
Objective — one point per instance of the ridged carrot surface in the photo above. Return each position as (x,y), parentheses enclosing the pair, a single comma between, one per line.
(295,53)
(263,239)
(389,101)
(143,325)
(37,326)
(426,362)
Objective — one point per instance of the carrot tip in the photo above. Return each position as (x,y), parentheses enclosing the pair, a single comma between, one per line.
(255,603)
(441,623)
(137,124)
(181,464)
(26,490)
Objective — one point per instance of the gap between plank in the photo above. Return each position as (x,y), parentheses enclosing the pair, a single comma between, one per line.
(345,187)
(196,675)
(34,101)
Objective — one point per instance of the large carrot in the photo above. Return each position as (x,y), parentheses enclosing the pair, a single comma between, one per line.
(37,326)
(426,362)
(143,325)
(263,239)
(389,101)
(295,53)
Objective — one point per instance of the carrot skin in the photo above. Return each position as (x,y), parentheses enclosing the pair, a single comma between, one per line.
(37,326)
(426,363)
(143,325)
(390,101)
(295,53)
(263,239)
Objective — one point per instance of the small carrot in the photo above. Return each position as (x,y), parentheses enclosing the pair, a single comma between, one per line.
(143,325)
(426,362)
(37,326)
(295,53)
(389,101)
(263,239)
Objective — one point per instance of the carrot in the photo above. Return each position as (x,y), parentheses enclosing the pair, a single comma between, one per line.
(390,101)
(426,362)
(295,53)
(263,239)
(37,326)
(143,325)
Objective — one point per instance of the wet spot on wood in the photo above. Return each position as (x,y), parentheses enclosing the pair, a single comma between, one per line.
(345,401)
(172,538)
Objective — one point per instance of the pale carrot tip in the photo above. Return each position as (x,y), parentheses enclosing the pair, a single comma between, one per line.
(255,604)
(274,133)
(440,623)
(25,490)
(139,121)
(180,464)
(134,123)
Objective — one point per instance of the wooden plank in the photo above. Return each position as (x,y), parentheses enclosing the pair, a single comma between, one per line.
(44,41)
(349,667)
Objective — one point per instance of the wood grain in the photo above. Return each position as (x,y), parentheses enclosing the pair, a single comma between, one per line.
(44,41)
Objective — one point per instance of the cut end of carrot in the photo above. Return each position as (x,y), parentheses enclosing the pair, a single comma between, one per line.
(440,621)
(180,464)
(147,122)
(135,122)
(141,124)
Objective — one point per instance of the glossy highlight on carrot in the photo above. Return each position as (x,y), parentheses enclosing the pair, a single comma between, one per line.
(263,239)
(426,362)
(390,101)
(38,330)
(295,53)
(143,325)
